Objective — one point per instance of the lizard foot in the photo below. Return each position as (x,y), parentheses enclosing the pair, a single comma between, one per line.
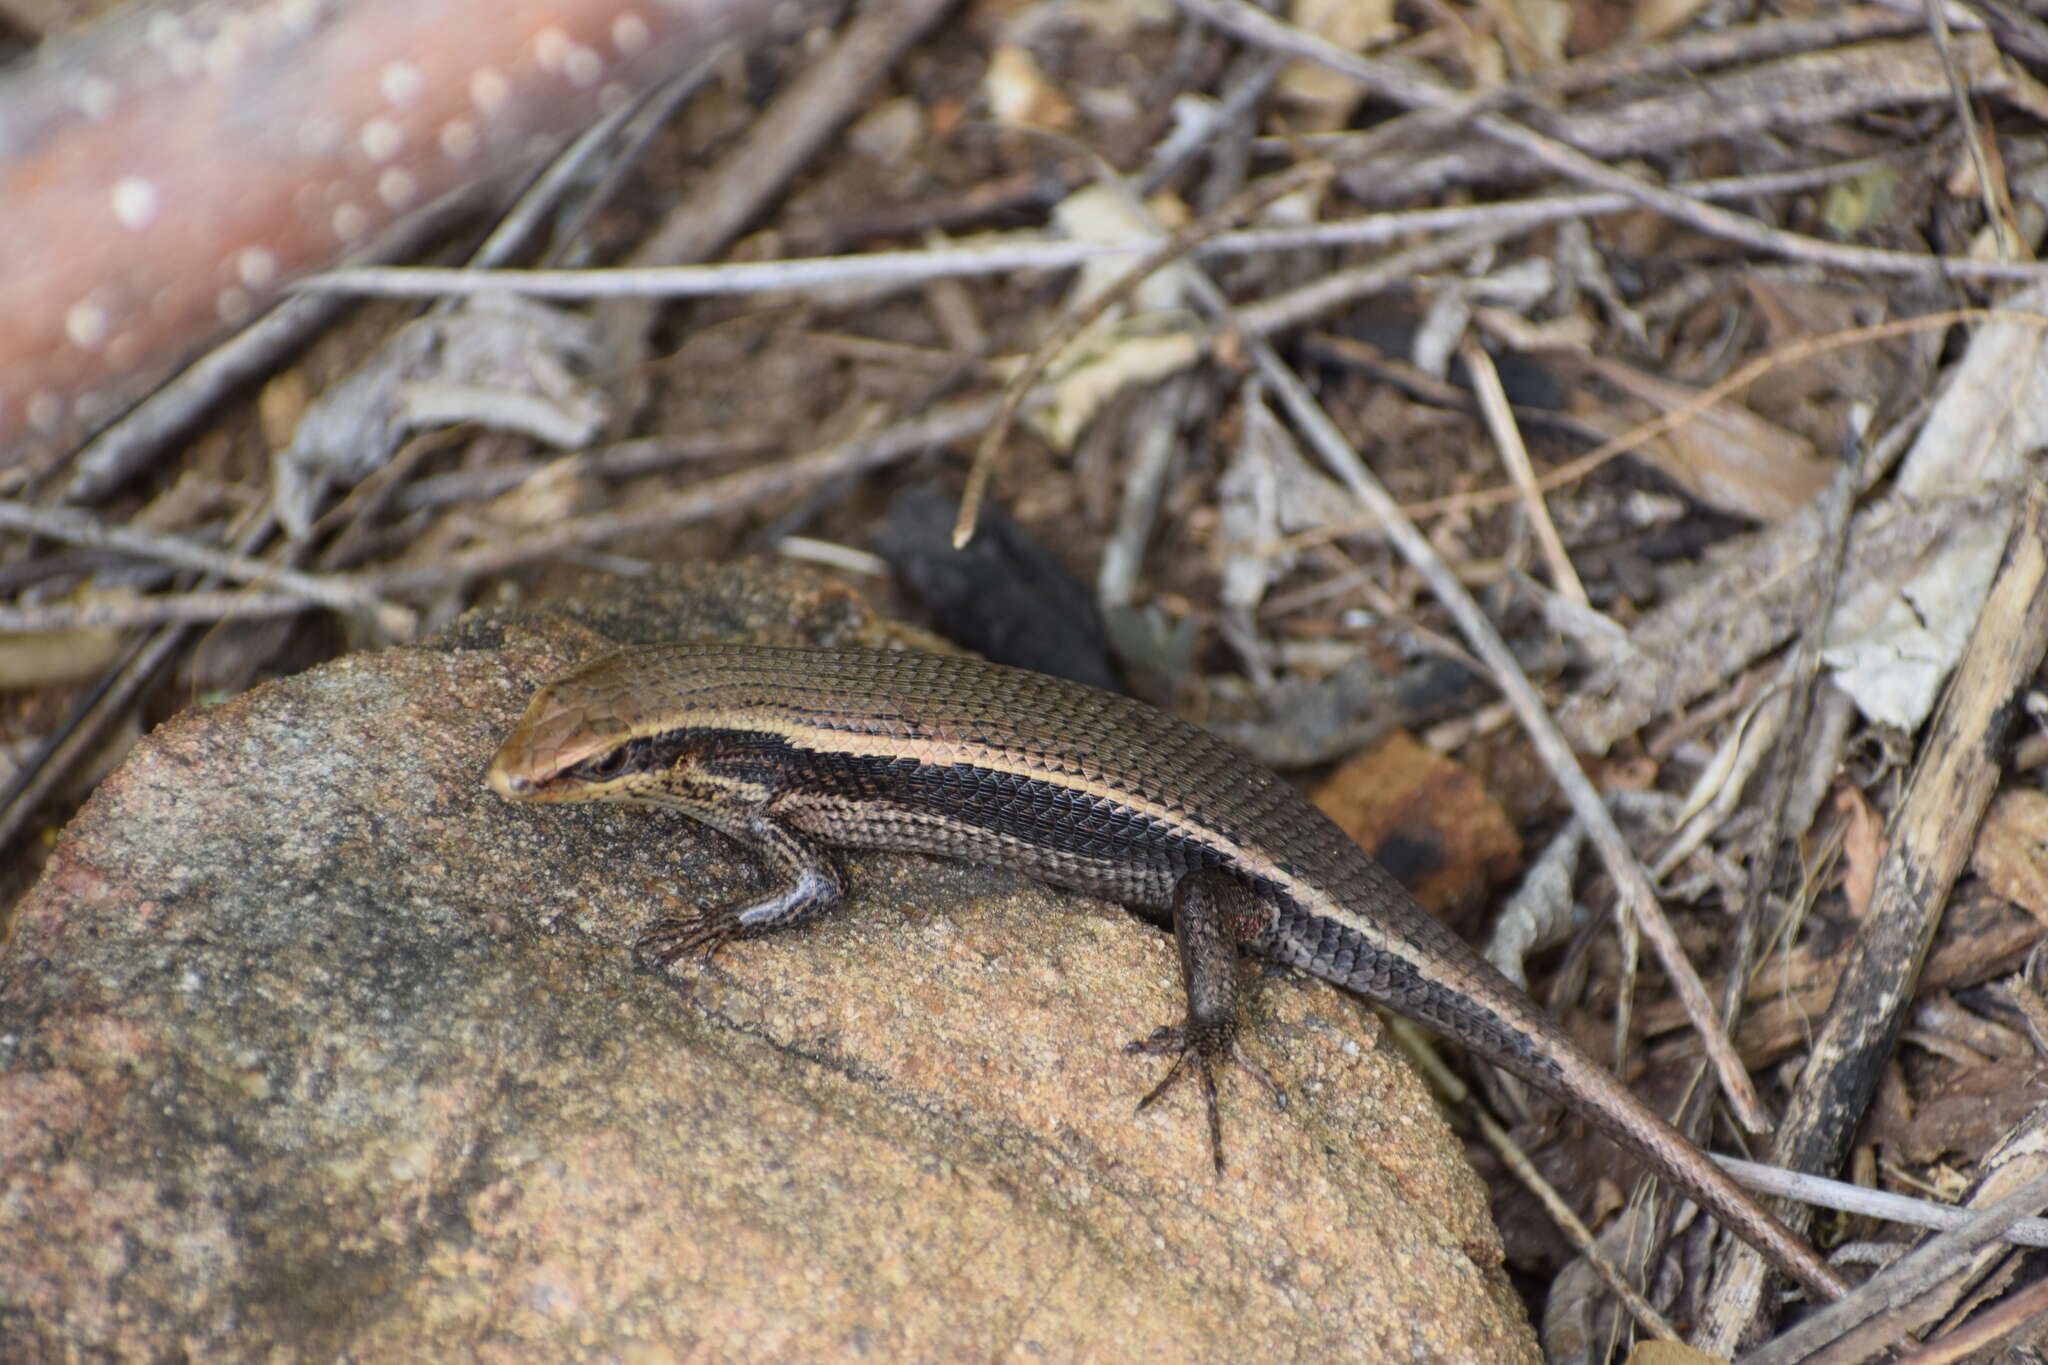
(667,939)
(1196,1051)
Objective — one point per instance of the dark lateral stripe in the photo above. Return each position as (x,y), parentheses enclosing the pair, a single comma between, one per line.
(1049,815)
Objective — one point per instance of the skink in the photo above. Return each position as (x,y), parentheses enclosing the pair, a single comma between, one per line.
(794,751)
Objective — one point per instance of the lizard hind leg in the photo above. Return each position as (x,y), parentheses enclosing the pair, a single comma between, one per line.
(1213,912)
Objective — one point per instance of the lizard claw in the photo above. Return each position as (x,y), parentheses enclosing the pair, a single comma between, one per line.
(669,938)
(1198,1050)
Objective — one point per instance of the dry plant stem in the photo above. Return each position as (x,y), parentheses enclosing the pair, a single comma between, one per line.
(1814,92)
(903,269)
(627,141)
(558,177)
(1029,191)
(2019,32)
(1903,1281)
(353,521)
(1973,138)
(1929,841)
(1437,393)
(1232,115)
(710,497)
(1837,504)
(79,529)
(1255,25)
(643,455)
(1143,487)
(84,728)
(879,270)
(1725,47)
(217,604)
(811,110)
(1802,673)
(1821,1192)
(2024,1309)
(1514,453)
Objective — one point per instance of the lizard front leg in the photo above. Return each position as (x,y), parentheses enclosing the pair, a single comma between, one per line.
(808,885)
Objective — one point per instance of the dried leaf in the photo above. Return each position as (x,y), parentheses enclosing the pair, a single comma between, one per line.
(1862,847)
(1083,391)
(1893,643)
(1325,97)
(1893,646)
(1430,820)
(1018,92)
(498,360)
(50,658)
(2012,849)
(1727,456)
(1107,213)
(1249,494)
(1539,913)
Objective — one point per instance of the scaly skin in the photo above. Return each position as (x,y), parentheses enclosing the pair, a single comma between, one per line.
(790,750)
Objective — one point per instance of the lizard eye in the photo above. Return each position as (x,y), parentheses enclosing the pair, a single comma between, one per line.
(604,766)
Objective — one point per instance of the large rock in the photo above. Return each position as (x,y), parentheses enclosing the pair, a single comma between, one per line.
(312,1047)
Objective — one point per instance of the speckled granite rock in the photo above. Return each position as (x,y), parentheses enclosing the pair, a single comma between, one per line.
(311,1047)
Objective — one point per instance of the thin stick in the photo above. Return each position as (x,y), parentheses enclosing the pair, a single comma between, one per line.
(641,455)
(1987,1329)
(216,604)
(710,497)
(80,529)
(903,269)
(1822,1192)
(85,727)
(1524,1170)
(1507,438)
